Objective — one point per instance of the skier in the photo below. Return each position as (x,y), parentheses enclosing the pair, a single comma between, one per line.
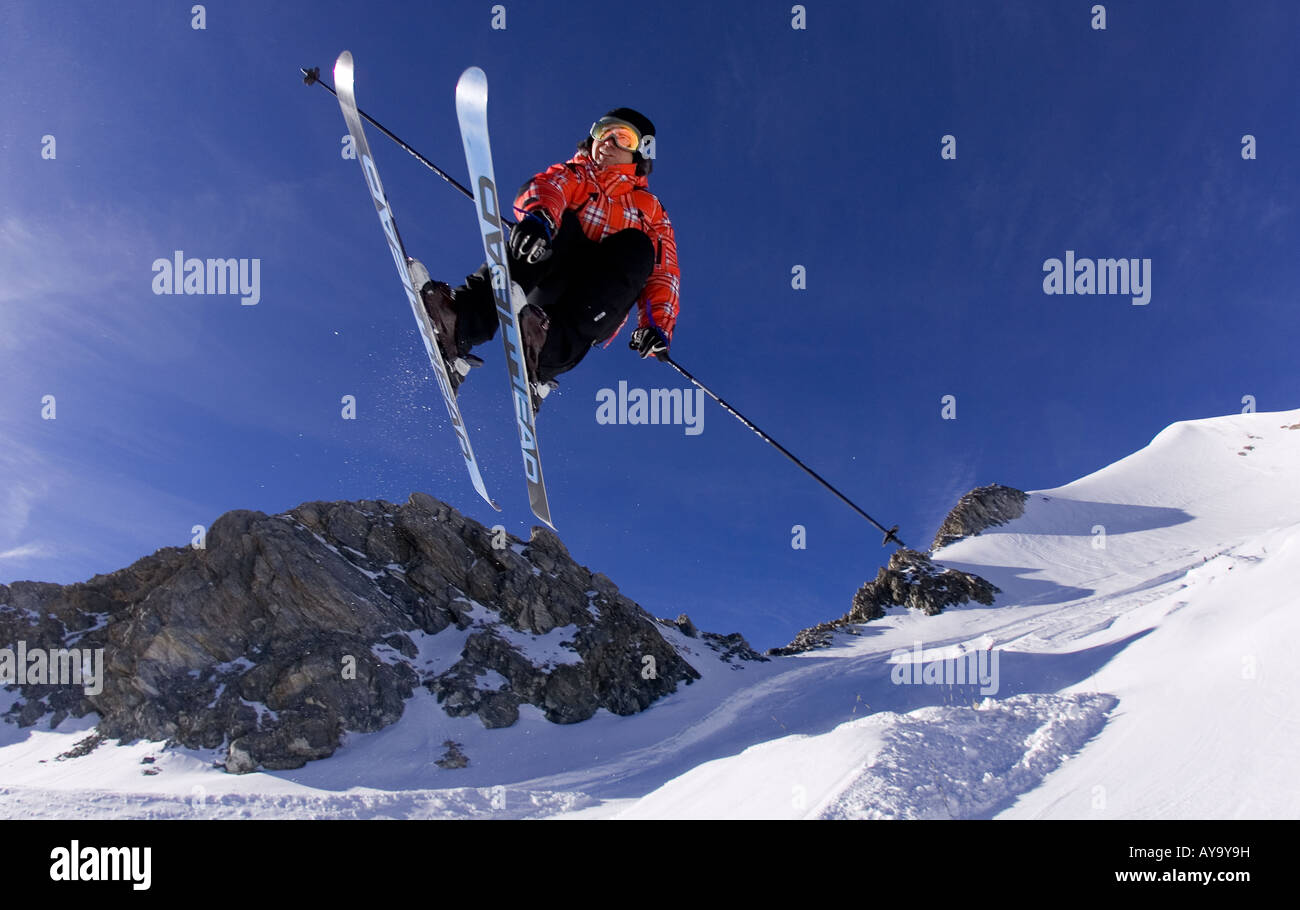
(591,241)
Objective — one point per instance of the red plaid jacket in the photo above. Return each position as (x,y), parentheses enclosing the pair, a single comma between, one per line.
(607,201)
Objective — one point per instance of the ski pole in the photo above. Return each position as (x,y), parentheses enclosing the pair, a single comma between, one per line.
(312,77)
(891,534)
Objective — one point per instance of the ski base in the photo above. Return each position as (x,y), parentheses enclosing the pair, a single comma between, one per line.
(471,112)
(345,89)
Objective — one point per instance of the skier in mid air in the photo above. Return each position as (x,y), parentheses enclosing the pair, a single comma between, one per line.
(591,241)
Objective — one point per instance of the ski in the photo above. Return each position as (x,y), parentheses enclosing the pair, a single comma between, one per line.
(344,88)
(471,111)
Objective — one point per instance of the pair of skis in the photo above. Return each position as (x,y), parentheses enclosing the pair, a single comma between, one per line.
(471,111)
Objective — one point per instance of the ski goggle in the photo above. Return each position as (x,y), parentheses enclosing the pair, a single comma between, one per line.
(625,135)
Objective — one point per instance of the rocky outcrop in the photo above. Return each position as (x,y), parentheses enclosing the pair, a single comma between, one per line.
(818,636)
(287,630)
(912,580)
(909,580)
(683,624)
(731,649)
(453,758)
(980,509)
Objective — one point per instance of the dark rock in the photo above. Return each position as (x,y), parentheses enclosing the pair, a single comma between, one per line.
(910,580)
(978,510)
(239,760)
(82,747)
(731,647)
(818,636)
(288,630)
(566,697)
(499,709)
(453,757)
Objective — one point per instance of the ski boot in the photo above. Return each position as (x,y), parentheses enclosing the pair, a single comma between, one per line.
(533,326)
(437,299)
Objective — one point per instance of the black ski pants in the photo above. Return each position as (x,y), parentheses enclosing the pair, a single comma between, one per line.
(586,289)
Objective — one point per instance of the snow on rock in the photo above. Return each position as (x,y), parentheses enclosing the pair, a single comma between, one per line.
(305,614)
(980,509)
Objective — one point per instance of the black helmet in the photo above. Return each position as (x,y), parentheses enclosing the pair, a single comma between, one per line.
(638,121)
(635,118)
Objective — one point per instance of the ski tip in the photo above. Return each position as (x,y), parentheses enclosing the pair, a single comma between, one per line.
(343,69)
(472,86)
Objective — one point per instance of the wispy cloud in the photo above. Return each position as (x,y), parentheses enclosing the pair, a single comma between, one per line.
(60,276)
(64,518)
(20,489)
(28,551)
(20,251)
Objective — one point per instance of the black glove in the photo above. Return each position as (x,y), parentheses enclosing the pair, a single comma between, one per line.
(530,239)
(649,340)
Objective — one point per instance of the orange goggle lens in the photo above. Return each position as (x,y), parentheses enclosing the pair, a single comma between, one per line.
(625,137)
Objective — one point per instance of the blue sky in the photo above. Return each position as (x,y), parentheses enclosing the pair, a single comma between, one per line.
(776,147)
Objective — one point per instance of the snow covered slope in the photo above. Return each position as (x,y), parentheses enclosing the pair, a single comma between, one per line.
(1166,584)
(1141,649)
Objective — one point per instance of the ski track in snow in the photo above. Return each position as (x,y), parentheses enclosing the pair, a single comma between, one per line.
(936,762)
(462,802)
